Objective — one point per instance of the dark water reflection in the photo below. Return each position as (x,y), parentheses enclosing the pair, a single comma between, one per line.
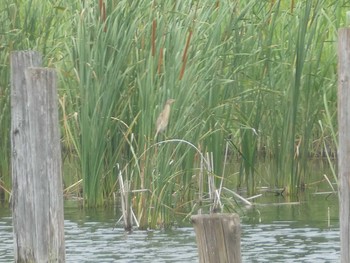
(301,230)
(272,231)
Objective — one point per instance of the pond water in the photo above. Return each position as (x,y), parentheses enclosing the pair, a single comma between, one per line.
(274,230)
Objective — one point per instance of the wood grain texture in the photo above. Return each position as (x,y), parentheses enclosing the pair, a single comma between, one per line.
(344,139)
(218,238)
(37,199)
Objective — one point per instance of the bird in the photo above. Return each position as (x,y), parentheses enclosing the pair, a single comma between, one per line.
(163,118)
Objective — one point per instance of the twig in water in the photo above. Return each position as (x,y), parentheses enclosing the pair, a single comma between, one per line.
(329,182)
(253,197)
(238,196)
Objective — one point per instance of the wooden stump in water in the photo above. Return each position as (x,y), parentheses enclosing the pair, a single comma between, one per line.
(218,238)
(37,194)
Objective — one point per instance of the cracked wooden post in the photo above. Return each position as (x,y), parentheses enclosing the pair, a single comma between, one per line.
(218,238)
(37,194)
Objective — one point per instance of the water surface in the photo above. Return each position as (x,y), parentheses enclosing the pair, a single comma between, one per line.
(305,230)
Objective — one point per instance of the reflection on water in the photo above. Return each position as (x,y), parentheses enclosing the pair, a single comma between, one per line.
(93,243)
(280,242)
(305,232)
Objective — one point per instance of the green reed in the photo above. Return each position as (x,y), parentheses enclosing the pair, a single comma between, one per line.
(24,27)
(5,183)
(259,75)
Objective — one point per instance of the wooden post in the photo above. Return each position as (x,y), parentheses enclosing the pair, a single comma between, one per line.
(218,238)
(344,140)
(37,194)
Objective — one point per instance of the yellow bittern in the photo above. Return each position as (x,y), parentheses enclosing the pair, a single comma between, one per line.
(163,118)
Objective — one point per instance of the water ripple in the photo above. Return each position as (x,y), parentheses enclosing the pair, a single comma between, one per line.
(99,242)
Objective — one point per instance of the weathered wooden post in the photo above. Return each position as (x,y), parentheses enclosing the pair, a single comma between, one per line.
(37,195)
(218,238)
(344,140)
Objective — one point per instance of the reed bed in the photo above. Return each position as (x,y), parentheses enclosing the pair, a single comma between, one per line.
(256,76)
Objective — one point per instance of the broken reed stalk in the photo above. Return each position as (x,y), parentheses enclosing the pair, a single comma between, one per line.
(223,171)
(124,196)
(213,195)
